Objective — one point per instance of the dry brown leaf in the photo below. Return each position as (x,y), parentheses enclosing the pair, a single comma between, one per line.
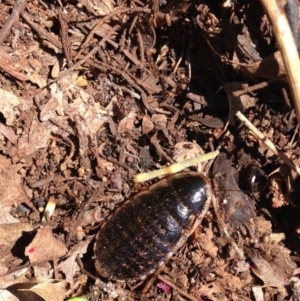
(92,114)
(159,120)
(10,183)
(99,7)
(147,125)
(126,125)
(45,247)
(7,296)
(271,263)
(15,279)
(8,102)
(9,233)
(269,68)
(240,103)
(33,290)
(48,110)
(38,137)
(208,244)
(70,266)
(55,69)
(6,217)
(236,208)
(186,150)
(94,117)
(50,291)
(213,291)
(9,277)
(37,78)
(212,122)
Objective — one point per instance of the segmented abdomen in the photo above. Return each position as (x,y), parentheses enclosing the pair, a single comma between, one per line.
(151,226)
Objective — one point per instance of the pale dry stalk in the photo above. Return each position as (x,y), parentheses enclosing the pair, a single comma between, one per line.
(287,47)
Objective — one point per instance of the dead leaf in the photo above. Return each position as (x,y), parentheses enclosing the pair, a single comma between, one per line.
(147,125)
(240,103)
(48,111)
(56,68)
(99,7)
(103,164)
(82,81)
(186,150)
(50,291)
(7,296)
(213,291)
(8,101)
(126,125)
(70,266)
(45,247)
(235,206)
(6,217)
(10,183)
(9,233)
(212,122)
(38,137)
(57,93)
(36,78)
(33,291)
(160,121)
(208,244)
(271,263)
(269,68)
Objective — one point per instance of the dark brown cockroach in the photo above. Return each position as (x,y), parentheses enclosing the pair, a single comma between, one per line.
(144,232)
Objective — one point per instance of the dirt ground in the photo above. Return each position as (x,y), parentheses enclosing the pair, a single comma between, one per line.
(93,92)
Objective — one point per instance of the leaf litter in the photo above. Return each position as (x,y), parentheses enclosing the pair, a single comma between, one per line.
(95,92)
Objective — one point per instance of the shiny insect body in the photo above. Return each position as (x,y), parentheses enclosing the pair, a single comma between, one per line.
(148,228)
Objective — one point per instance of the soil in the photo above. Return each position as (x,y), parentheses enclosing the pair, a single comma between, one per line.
(94,92)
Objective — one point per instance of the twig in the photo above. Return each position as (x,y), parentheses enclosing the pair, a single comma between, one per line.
(8,133)
(83,60)
(19,6)
(122,88)
(287,47)
(179,290)
(6,64)
(267,142)
(105,67)
(64,20)
(176,167)
(26,198)
(108,17)
(154,141)
(255,87)
(141,47)
(41,31)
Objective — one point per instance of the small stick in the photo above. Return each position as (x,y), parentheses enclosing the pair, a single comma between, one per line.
(179,290)
(176,167)
(83,60)
(18,8)
(254,87)
(287,47)
(108,17)
(8,133)
(267,142)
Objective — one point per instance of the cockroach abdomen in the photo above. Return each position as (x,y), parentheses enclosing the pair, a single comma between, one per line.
(141,234)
